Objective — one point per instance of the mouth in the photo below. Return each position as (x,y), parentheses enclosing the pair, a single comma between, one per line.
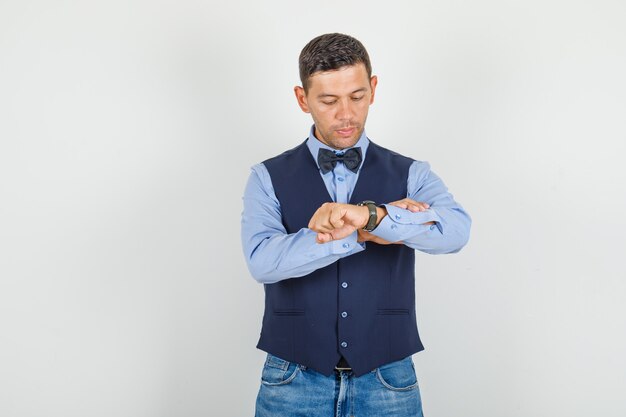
(345,132)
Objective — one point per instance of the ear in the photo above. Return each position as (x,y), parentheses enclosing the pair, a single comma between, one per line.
(301,97)
(373,83)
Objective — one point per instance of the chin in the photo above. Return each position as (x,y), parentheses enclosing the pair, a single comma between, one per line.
(343,143)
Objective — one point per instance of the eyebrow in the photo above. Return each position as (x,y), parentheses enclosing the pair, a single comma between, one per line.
(360,90)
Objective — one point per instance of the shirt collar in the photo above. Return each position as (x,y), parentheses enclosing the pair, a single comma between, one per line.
(315,145)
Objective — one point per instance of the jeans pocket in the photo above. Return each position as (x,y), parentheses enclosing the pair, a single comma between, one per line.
(277,371)
(398,376)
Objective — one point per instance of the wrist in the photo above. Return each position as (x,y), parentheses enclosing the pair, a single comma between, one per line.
(364,218)
(381,212)
(372,215)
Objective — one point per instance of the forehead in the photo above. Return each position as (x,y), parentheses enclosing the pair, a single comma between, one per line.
(341,81)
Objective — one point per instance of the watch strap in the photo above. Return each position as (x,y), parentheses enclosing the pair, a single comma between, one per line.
(373,219)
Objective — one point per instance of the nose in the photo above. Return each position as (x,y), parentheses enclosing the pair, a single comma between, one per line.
(344,111)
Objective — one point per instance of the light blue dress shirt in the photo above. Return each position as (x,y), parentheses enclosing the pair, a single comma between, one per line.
(273,255)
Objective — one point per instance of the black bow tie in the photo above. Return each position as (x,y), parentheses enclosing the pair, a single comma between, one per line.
(327,160)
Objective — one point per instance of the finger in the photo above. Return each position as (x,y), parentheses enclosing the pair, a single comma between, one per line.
(320,223)
(342,232)
(323,238)
(418,207)
(320,228)
(336,218)
(314,222)
(411,205)
(413,208)
(404,203)
(410,201)
(379,240)
(400,204)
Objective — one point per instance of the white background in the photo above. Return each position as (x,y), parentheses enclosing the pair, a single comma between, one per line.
(127,129)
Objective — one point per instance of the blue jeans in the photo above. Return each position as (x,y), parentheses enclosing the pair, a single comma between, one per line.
(289,390)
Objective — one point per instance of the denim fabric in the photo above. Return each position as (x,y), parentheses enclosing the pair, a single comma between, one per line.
(289,390)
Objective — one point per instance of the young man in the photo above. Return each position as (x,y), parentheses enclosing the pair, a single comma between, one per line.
(330,228)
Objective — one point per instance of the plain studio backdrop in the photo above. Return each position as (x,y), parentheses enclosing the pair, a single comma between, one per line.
(127,132)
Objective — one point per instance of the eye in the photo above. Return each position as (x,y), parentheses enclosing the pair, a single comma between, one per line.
(329,103)
(357,98)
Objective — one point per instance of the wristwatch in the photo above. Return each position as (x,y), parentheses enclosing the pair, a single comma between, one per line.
(371,222)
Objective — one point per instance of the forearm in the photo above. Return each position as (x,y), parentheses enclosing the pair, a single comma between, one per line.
(283,256)
(437,230)
(443,227)
(271,253)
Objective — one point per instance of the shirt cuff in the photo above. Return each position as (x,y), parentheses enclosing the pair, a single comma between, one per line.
(346,245)
(400,224)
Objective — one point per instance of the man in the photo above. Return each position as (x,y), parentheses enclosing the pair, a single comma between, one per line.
(330,228)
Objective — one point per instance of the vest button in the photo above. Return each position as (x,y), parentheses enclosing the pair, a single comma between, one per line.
(344,344)
(344,284)
(344,314)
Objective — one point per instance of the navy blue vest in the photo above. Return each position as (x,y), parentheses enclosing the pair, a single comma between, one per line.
(303,319)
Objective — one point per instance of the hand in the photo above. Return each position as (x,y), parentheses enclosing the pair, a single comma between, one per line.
(334,221)
(407,204)
(369,237)
(411,205)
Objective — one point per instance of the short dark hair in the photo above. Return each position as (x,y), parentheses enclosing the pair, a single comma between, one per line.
(331,52)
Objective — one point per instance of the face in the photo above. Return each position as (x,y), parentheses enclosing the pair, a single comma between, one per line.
(338,102)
